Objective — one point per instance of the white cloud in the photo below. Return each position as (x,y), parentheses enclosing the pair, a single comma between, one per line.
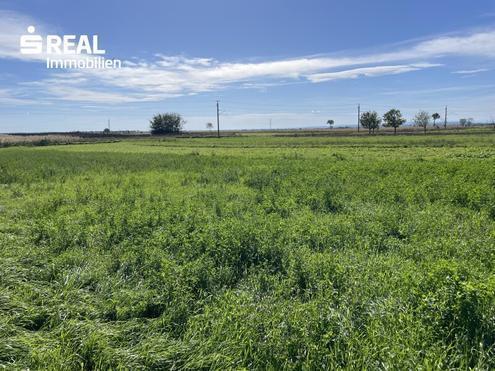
(12,26)
(179,75)
(369,72)
(471,72)
(476,44)
(75,94)
(170,76)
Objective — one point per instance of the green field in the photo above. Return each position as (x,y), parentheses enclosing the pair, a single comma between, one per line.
(249,253)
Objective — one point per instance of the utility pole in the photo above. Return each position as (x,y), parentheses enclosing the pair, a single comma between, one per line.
(445,117)
(270,124)
(108,124)
(218,120)
(359,115)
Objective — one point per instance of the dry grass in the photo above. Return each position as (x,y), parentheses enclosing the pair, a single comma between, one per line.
(38,140)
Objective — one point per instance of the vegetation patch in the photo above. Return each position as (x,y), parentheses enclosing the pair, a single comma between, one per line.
(249,253)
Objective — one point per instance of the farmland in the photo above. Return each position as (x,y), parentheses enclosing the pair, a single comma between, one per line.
(249,252)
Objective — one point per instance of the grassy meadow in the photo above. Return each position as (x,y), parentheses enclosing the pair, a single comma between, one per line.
(255,252)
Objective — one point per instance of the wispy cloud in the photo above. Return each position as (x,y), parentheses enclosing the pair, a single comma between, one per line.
(441,90)
(369,72)
(475,44)
(471,72)
(170,76)
(12,26)
(9,97)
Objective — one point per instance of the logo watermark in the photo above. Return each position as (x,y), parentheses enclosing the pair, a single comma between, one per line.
(73,51)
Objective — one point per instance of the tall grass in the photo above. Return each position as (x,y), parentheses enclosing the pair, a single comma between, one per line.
(295,253)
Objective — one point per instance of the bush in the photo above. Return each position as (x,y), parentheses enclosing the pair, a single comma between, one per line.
(166,123)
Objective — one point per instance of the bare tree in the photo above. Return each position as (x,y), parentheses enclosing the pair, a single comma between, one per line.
(209,126)
(422,119)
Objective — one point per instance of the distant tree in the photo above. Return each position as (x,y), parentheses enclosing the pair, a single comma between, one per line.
(209,125)
(466,122)
(435,117)
(106,131)
(393,119)
(422,119)
(166,123)
(370,120)
(330,123)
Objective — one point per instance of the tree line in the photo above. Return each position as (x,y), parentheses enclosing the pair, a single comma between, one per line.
(393,119)
(169,123)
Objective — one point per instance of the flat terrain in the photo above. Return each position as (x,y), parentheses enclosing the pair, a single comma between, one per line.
(249,252)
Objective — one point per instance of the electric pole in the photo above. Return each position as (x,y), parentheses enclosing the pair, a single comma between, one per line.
(445,118)
(359,115)
(218,120)
(270,124)
(108,124)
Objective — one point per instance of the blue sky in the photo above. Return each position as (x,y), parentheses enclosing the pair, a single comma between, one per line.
(292,62)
